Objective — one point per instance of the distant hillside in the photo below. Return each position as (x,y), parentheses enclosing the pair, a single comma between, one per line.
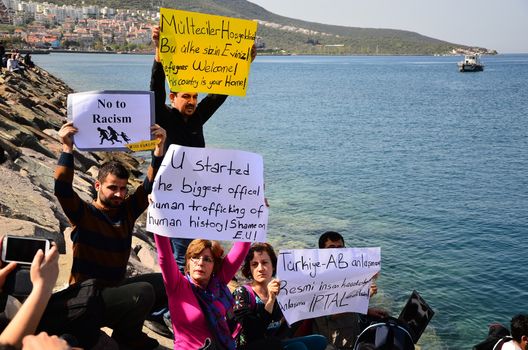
(287,35)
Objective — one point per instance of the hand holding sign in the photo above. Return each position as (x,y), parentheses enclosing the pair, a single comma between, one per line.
(68,130)
(273,291)
(66,133)
(109,120)
(160,135)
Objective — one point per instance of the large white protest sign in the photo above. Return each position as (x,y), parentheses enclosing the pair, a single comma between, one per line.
(109,120)
(209,193)
(318,282)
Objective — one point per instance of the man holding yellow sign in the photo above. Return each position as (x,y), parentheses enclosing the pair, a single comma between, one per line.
(184,120)
(193,62)
(197,53)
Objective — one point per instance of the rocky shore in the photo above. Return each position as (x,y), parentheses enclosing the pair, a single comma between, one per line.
(32,109)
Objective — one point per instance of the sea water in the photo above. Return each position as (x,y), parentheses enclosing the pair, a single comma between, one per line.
(404,153)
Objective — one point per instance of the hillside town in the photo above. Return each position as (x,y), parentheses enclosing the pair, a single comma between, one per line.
(49,26)
(44,27)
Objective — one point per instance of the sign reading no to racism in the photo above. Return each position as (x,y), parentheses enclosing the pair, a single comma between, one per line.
(209,193)
(206,53)
(111,120)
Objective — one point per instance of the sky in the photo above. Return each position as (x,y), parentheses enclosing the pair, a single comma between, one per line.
(501,25)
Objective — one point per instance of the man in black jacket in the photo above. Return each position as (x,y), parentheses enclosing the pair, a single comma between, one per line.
(183,121)
(185,118)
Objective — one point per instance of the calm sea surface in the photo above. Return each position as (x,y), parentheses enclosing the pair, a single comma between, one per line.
(405,153)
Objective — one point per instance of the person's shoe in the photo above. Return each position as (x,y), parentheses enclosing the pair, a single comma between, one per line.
(141,342)
(159,328)
(168,323)
(104,341)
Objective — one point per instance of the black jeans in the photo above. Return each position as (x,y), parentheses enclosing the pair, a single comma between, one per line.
(127,305)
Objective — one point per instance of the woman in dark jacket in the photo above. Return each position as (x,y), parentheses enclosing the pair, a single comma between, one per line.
(257,310)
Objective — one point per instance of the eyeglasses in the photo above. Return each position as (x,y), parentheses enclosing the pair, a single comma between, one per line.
(205,259)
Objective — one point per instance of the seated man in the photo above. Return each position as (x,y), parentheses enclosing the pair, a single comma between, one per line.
(519,333)
(341,330)
(102,237)
(13,64)
(28,62)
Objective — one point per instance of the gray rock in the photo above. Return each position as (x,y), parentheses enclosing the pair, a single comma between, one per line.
(20,136)
(17,227)
(11,151)
(19,198)
(146,254)
(40,168)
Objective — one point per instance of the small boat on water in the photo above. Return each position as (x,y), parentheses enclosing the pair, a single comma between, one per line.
(471,63)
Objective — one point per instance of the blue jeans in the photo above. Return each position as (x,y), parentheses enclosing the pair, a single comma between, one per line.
(179,248)
(309,342)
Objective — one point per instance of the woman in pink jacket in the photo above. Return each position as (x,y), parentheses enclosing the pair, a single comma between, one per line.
(199,301)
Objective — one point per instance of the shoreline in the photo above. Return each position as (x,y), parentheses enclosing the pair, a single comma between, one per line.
(259,53)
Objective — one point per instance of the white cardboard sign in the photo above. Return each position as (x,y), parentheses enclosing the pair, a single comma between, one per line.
(319,282)
(108,120)
(209,193)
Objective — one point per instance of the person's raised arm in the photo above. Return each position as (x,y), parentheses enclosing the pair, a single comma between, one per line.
(253,53)
(157,156)
(169,267)
(64,171)
(157,78)
(160,135)
(64,192)
(44,272)
(155,41)
(66,133)
(233,260)
(139,199)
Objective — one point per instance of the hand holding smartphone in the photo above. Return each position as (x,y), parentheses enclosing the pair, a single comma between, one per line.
(22,250)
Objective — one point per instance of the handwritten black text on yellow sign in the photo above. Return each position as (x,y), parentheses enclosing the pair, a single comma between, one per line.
(206,53)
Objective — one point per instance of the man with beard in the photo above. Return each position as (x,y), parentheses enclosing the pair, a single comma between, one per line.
(185,118)
(183,121)
(102,238)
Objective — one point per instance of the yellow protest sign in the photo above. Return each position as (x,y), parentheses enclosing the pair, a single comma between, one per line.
(206,53)
(142,145)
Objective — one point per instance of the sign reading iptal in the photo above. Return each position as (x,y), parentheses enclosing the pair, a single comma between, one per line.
(206,53)
(209,193)
(319,282)
(109,120)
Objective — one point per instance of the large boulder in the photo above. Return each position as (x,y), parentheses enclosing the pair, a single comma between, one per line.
(21,135)
(16,227)
(38,167)
(20,199)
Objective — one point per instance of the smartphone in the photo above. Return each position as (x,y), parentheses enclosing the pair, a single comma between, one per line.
(22,250)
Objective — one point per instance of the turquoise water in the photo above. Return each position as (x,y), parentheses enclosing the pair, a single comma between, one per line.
(405,153)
